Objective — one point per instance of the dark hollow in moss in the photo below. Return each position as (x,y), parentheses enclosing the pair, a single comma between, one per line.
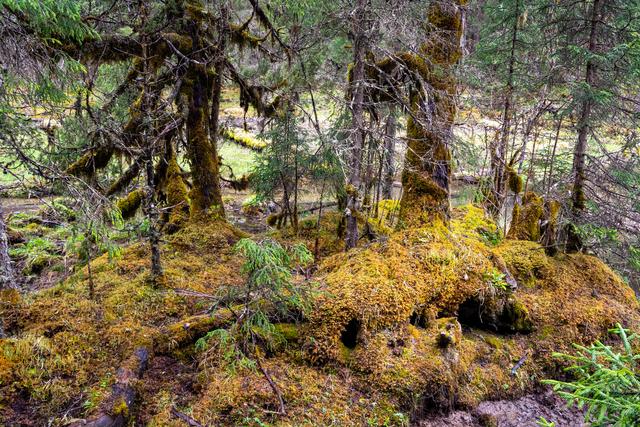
(349,335)
(511,318)
(418,320)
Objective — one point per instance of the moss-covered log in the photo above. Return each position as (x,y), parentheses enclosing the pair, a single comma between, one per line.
(125,179)
(118,408)
(91,161)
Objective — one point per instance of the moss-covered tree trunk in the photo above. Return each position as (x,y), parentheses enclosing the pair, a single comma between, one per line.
(432,112)
(206,195)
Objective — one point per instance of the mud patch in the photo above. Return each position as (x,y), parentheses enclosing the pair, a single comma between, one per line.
(523,412)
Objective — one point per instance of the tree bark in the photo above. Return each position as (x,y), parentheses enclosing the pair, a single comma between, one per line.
(356,90)
(389,155)
(206,195)
(7,278)
(499,157)
(578,199)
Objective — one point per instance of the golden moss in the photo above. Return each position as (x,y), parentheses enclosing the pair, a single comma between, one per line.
(525,221)
(329,242)
(68,343)
(177,196)
(241,137)
(525,260)
(362,320)
(389,320)
(129,204)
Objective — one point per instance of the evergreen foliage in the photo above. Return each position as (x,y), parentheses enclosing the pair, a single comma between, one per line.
(607,381)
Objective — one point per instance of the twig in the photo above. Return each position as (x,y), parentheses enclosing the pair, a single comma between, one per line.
(184,417)
(519,364)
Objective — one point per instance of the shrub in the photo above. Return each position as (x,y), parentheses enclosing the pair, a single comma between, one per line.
(270,294)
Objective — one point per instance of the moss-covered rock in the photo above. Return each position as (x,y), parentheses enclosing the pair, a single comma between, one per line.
(435,272)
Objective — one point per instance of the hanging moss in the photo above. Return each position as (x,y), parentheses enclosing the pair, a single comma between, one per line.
(516,182)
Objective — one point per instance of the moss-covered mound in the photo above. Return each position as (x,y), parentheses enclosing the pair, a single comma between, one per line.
(392,312)
(428,319)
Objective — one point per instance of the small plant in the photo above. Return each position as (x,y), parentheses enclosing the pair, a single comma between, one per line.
(496,279)
(270,294)
(543,422)
(38,253)
(251,205)
(606,382)
(493,238)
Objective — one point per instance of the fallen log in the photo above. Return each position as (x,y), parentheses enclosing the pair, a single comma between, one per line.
(191,329)
(118,407)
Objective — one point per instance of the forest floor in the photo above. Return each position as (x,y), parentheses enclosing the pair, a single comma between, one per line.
(65,350)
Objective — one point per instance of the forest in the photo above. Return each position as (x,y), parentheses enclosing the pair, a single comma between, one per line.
(319,213)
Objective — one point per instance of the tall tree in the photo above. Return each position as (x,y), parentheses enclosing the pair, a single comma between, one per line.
(358,34)
(432,110)
(598,46)
(580,152)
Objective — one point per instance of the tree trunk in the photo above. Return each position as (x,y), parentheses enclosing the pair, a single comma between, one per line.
(356,89)
(149,147)
(578,199)
(206,195)
(218,68)
(389,155)
(7,279)
(499,157)
(432,112)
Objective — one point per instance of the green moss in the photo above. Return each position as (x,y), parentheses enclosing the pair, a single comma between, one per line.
(525,221)
(129,204)
(516,315)
(91,161)
(37,264)
(177,196)
(289,331)
(244,139)
(516,182)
